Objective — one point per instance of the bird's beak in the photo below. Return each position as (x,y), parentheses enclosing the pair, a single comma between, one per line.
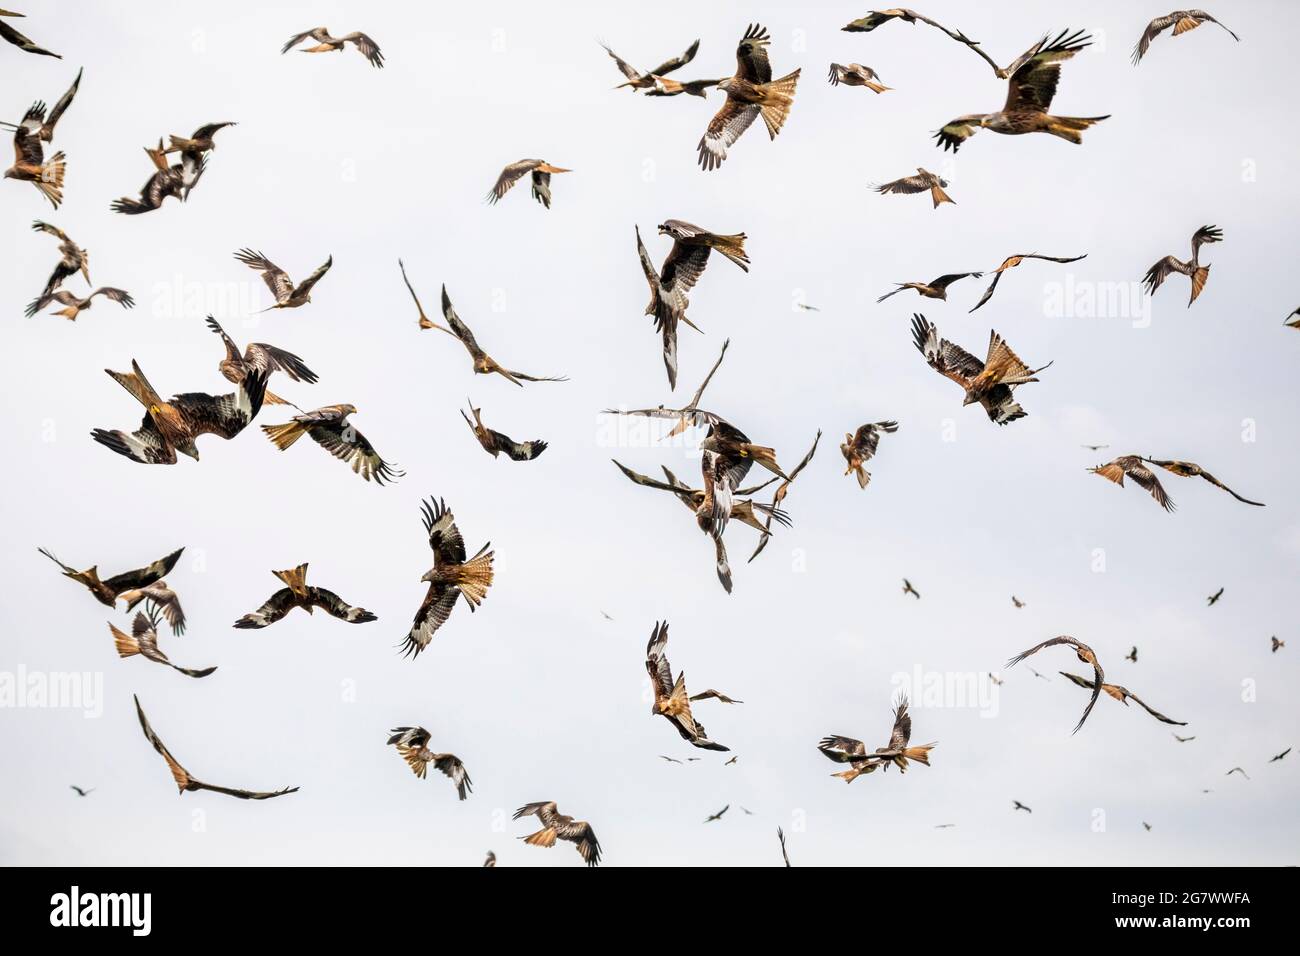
(426,577)
(967,400)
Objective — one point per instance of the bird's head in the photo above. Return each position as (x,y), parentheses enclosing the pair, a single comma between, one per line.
(9,174)
(346,410)
(970,399)
(726,84)
(427,576)
(191,449)
(662,227)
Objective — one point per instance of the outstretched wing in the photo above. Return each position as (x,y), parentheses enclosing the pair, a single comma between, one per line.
(1152,711)
(509,176)
(223,415)
(305,286)
(179,773)
(459,328)
(143,577)
(676,63)
(276,279)
(451,765)
(752,63)
(1033,84)
(368,47)
(335,606)
(346,443)
(146,444)
(842,749)
(277,606)
(949,360)
(723,130)
(47,132)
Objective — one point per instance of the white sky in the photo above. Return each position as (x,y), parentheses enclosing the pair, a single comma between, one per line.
(540,695)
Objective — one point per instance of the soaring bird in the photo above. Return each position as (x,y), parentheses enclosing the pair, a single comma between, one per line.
(143,640)
(855,74)
(681,269)
(484,364)
(636,80)
(494,442)
(877,18)
(412,744)
(44,127)
(201,141)
(107,591)
(287,295)
(671,699)
(717,816)
(451,576)
(922,181)
(74,305)
(1213,599)
(541,175)
(259,357)
(908,589)
(72,259)
(1132,466)
(1124,695)
(1085,654)
(329,427)
(1237,770)
(1011,262)
(556,825)
(780,835)
(859,447)
(1029,96)
(174,181)
(1277,644)
(1276,757)
(1183,740)
(1017,805)
(30,165)
(935,289)
(1132,655)
(158,597)
(80,791)
(1187,469)
(1094,447)
(174,426)
(989,383)
(1181,21)
(328,44)
(717,695)
(297,593)
(897,752)
(10,35)
(750,92)
(1192,268)
(663,86)
(185,782)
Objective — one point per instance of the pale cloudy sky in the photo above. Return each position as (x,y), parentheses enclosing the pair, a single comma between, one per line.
(540,695)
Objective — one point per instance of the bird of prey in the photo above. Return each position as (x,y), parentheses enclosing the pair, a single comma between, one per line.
(143,640)
(10,35)
(1237,770)
(287,295)
(1183,740)
(1275,758)
(185,782)
(177,180)
(680,271)
(751,92)
(174,426)
(1017,805)
(260,357)
(328,44)
(158,597)
(1181,21)
(1017,602)
(297,593)
(412,744)
(1010,263)
(859,447)
(494,442)
(936,289)
(990,383)
(1277,644)
(780,835)
(30,165)
(877,18)
(74,305)
(1094,447)
(996,680)
(669,759)
(908,589)
(1123,695)
(689,415)
(1213,599)
(1085,654)
(1192,268)
(778,496)
(728,763)
(944,826)
(1134,467)
(663,86)
(329,427)
(541,174)
(726,454)
(806,307)
(1038,675)
(201,141)
(1132,655)
(491,859)
(1030,92)
(451,576)
(81,792)
(557,825)
(671,699)
(636,80)
(717,695)
(1293,320)
(897,752)
(855,74)
(923,180)
(107,591)
(484,364)
(1187,469)
(717,816)
(72,259)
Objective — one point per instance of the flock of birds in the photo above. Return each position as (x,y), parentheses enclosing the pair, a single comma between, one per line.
(172,426)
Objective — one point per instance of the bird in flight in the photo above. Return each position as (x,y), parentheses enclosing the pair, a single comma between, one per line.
(297,593)
(1276,757)
(1123,695)
(1187,469)
(780,835)
(1029,96)
(717,816)
(81,792)
(1192,268)
(185,782)
(726,454)
(1132,655)
(1183,740)
(897,752)
(169,427)
(1133,466)
(107,591)
(681,269)
(329,427)
(923,180)
(1293,320)
(1010,263)
(494,442)
(1213,599)
(72,259)
(859,447)
(689,415)
(720,697)
(989,383)
(491,859)
(259,357)
(1181,21)
(1094,447)
(557,825)
(10,35)
(412,744)
(143,640)
(328,44)
(782,490)
(287,295)
(1017,805)
(176,180)
(541,171)
(855,74)
(908,589)
(728,763)
(451,576)
(636,80)
(671,699)
(157,595)
(1017,602)
(30,164)
(944,826)
(1277,644)
(1237,770)
(74,305)
(669,759)
(201,141)
(484,364)
(935,289)
(996,680)
(1038,675)
(751,92)
(1085,654)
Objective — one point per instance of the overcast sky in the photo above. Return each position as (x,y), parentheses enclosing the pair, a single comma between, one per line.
(539,694)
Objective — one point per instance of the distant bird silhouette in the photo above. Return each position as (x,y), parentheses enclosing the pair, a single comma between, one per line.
(908,589)
(717,816)
(1181,21)
(1213,599)
(1020,806)
(80,792)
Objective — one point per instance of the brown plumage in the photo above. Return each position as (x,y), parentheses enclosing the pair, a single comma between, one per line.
(855,74)
(636,80)
(541,172)
(922,181)
(494,442)
(717,695)
(287,295)
(935,289)
(1011,262)
(780,835)
(859,447)
(877,18)
(10,35)
(330,44)
(897,752)
(556,825)
(725,460)
(1276,644)
(174,181)
(671,699)
(908,589)
(484,364)
(1181,21)
(1188,469)
(297,593)
(72,259)
(30,164)
(329,427)
(1192,268)
(1123,695)
(259,357)
(201,141)
(74,305)
(1132,466)
(108,590)
(1085,654)
(451,576)
(751,93)
(143,640)
(989,383)
(412,744)
(160,598)
(663,86)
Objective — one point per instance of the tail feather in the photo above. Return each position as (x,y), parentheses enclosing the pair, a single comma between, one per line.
(776,108)
(920,754)
(541,838)
(733,247)
(864,476)
(1199,277)
(50,181)
(1072,127)
(476,577)
(127,646)
(939,196)
(285,435)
